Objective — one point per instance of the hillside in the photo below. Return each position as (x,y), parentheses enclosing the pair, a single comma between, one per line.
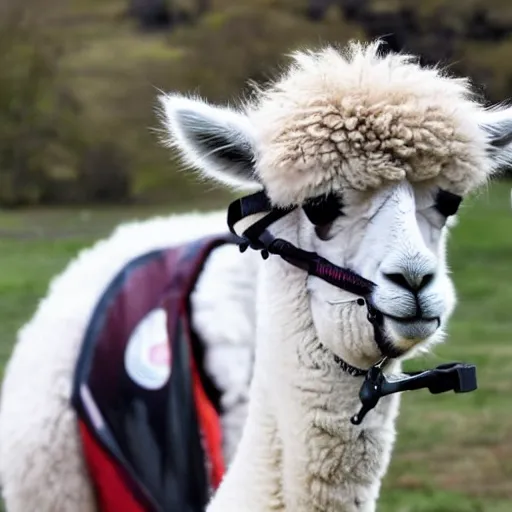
(89,76)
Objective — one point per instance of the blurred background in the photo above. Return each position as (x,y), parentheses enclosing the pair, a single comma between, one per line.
(79,153)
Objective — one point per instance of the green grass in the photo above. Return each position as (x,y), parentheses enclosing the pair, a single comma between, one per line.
(454,452)
(35,244)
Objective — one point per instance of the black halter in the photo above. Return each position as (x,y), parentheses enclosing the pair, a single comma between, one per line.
(454,376)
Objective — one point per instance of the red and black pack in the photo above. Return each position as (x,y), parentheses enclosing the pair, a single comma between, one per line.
(148,416)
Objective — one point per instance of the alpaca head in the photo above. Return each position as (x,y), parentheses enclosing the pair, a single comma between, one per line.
(392,144)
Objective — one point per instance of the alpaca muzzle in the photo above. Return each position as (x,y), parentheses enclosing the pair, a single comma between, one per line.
(457,377)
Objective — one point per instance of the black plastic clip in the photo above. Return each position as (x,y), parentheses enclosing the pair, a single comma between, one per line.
(457,377)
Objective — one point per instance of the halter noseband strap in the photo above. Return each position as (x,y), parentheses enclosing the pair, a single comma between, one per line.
(454,376)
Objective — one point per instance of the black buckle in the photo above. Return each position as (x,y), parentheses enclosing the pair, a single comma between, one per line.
(457,377)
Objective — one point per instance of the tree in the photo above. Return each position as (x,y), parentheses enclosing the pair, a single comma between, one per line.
(162,14)
(317,9)
(151,14)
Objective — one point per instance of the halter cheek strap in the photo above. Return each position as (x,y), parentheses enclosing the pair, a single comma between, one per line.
(259,238)
(458,377)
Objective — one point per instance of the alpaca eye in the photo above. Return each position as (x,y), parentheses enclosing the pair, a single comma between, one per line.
(323,231)
(322,211)
(447,203)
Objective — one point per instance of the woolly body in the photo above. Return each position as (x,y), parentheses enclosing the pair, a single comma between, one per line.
(41,464)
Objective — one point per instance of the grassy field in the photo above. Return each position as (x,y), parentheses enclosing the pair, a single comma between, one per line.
(454,452)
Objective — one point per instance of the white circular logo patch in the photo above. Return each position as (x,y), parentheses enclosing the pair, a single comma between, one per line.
(147,358)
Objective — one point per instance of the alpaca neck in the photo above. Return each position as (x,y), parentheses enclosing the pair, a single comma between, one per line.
(299,452)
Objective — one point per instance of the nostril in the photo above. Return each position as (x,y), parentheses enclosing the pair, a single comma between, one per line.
(412,283)
(399,279)
(427,279)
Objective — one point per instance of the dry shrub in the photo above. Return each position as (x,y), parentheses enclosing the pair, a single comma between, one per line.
(45,146)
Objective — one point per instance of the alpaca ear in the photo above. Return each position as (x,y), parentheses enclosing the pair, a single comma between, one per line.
(497,124)
(216,140)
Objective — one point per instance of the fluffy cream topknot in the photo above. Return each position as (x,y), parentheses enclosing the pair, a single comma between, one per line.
(358,119)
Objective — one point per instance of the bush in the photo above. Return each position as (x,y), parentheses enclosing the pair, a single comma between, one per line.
(45,147)
(75,121)
(103,173)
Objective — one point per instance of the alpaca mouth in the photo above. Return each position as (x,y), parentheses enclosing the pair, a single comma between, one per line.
(411,320)
(413,328)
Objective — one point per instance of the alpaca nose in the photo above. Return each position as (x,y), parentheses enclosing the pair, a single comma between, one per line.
(413,280)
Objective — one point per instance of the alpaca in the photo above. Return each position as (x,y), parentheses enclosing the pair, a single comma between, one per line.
(391,142)
(380,137)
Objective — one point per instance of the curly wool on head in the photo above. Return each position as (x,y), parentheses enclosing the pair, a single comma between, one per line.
(358,119)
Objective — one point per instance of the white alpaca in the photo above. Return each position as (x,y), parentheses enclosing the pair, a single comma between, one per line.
(385,136)
(381,134)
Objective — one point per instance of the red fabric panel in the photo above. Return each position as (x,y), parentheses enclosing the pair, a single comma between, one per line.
(209,420)
(113,495)
(210,427)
